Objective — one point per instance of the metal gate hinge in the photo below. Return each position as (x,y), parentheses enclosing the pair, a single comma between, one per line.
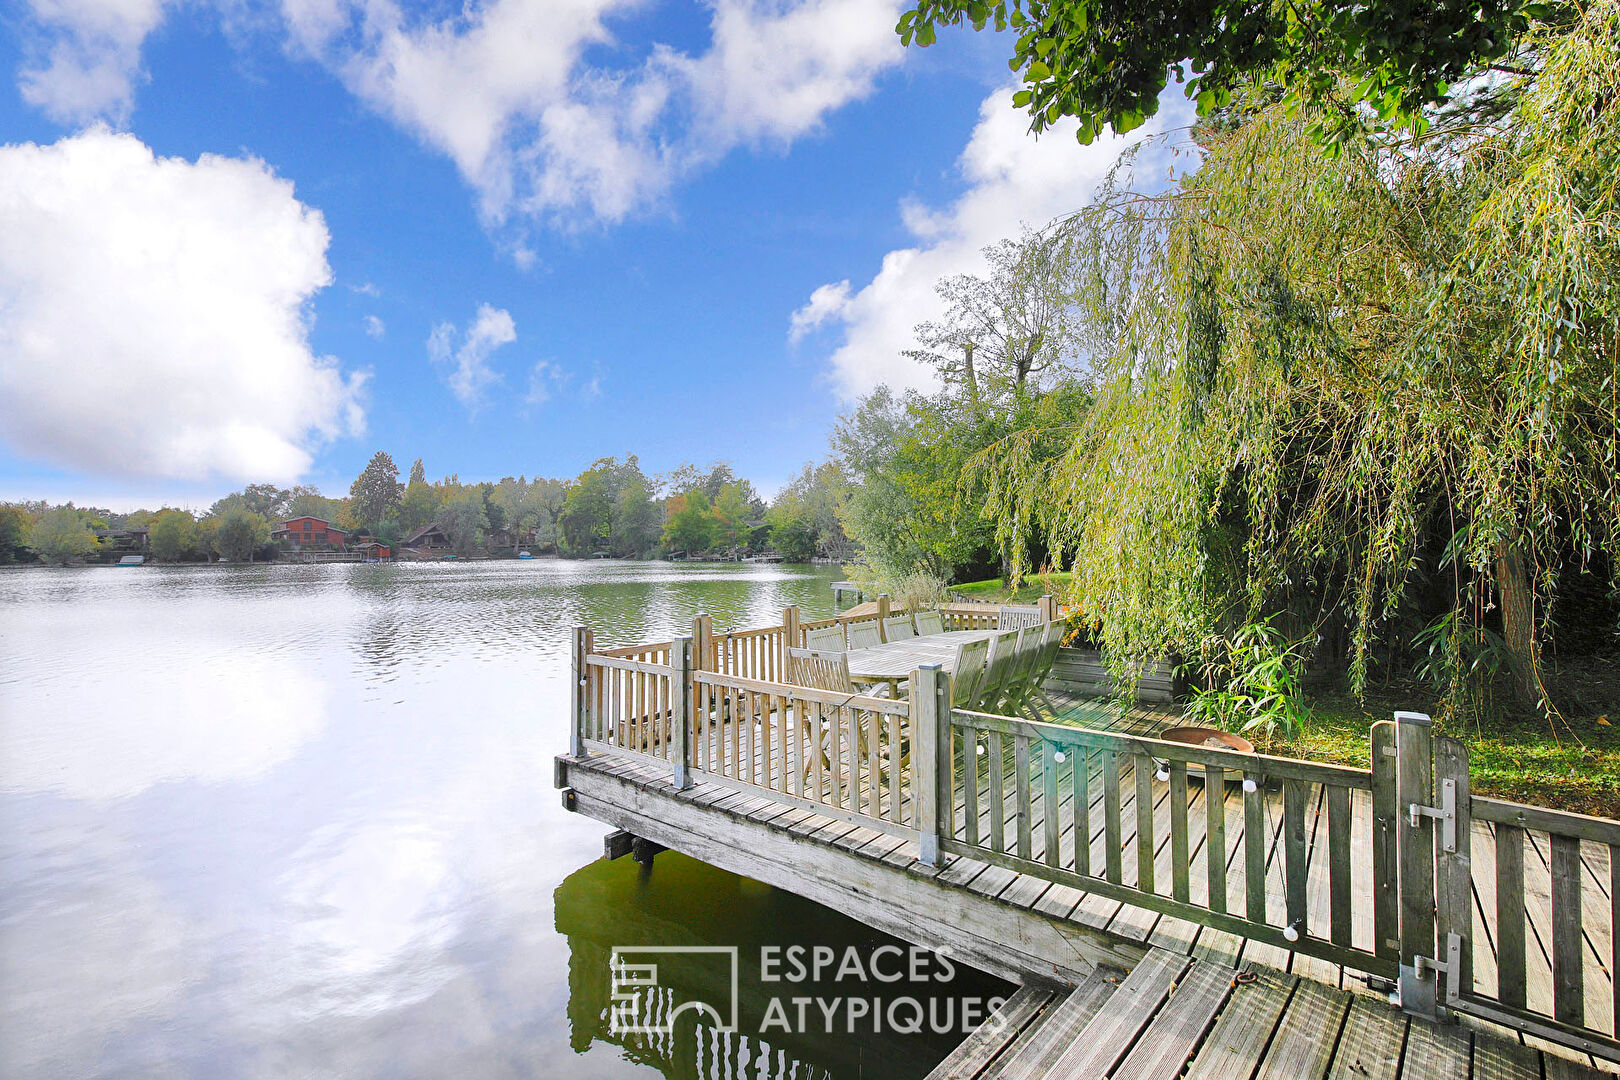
(1428,967)
(1446,814)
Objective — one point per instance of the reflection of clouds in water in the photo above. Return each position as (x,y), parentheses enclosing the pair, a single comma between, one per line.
(114,733)
(78,969)
(373,909)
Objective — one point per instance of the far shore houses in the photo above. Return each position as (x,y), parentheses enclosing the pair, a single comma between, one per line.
(301,533)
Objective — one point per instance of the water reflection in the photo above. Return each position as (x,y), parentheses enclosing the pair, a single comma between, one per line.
(681,902)
(297,820)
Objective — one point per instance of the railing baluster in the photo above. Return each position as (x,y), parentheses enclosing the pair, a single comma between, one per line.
(1080,780)
(1569,988)
(1510,915)
(895,787)
(1143,767)
(1180,859)
(1294,855)
(998,797)
(1215,835)
(1021,793)
(1051,817)
(1112,841)
(1254,847)
(970,785)
(1340,885)
(1614,934)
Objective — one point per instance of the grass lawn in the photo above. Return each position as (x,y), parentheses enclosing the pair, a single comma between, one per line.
(1573,765)
(995,591)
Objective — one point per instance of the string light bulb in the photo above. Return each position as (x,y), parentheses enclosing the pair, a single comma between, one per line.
(1291,931)
(1060,757)
(1162,773)
(1250,786)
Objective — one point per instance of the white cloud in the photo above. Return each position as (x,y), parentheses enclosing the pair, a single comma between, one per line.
(375,326)
(366,288)
(825,303)
(1012,179)
(504,90)
(471,373)
(153,314)
(84,56)
(542,381)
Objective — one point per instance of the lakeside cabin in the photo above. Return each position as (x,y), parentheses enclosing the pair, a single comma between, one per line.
(428,542)
(306,532)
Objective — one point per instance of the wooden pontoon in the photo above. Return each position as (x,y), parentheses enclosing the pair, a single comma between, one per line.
(1158,902)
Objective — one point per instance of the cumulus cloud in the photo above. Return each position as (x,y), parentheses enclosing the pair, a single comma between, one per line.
(1012,179)
(374,326)
(153,314)
(469,373)
(84,56)
(503,89)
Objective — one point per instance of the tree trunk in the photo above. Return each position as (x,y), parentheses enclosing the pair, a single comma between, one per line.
(1518,621)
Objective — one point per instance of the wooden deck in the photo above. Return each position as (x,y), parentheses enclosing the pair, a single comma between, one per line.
(1253,911)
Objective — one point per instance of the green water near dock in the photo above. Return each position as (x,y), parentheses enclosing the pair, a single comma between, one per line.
(298,820)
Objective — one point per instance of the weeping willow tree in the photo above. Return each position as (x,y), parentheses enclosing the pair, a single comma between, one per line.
(1333,390)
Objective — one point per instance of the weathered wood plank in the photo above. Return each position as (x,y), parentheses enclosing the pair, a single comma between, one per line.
(1144,823)
(1111,1032)
(1340,873)
(1294,868)
(1436,1051)
(1497,1058)
(974,1054)
(1180,858)
(1179,1027)
(1241,1034)
(1569,989)
(1308,1034)
(1042,1045)
(1371,1044)
(1385,864)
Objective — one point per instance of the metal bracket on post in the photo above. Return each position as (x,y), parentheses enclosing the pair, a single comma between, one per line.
(1445,814)
(1420,993)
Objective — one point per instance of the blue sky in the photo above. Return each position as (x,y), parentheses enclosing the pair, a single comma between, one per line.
(518,237)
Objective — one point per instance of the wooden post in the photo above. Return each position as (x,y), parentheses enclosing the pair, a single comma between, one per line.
(579,713)
(1414,786)
(680,710)
(1385,859)
(703,642)
(1454,875)
(926,722)
(790,632)
(883,613)
(1048,606)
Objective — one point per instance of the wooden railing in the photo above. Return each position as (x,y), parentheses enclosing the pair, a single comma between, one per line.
(1501,911)
(1115,815)
(845,755)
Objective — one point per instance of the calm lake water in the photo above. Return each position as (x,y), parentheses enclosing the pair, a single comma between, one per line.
(298,821)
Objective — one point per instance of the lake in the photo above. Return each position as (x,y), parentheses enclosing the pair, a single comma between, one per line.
(299,821)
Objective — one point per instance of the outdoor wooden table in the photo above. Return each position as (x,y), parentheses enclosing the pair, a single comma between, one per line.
(894,661)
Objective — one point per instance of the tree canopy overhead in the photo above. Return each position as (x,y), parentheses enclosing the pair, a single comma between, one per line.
(1105,62)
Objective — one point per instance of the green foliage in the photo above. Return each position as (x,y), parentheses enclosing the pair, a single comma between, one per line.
(1353,389)
(464,519)
(308,502)
(376,492)
(1251,684)
(1105,62)
(62,534)
(691,524)
(419,506)
(609,508)
(239,534)
(173,535)
(14,525)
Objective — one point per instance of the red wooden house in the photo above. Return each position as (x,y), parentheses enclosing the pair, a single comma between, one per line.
(308,532)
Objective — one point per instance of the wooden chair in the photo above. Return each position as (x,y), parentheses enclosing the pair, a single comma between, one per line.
(898,627)
(930,622)
(827,639)
(863,635)
(1002,649)
(1051,641)
(1016,618)
(1020,677)
(823,670)
(968,672)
